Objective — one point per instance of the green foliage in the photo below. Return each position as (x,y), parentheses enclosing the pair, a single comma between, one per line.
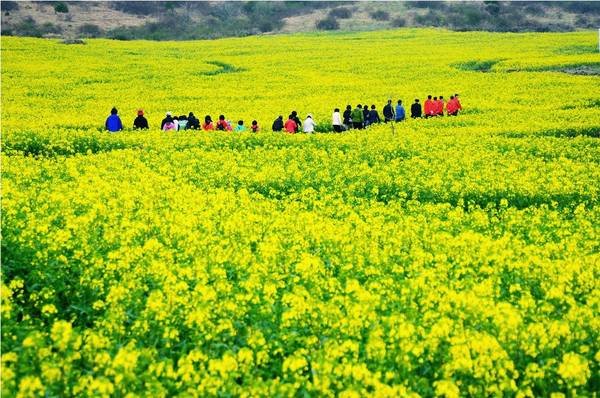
(328,24)
(137,7)
(477,65)
(224,68)
(29,27)
(380,15)
(90,30)
(399,22)
(61,7)
(341,13)
(181,27)
(6,6)
(324,127)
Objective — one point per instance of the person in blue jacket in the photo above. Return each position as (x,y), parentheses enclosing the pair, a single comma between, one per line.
(400,112)
(113,122)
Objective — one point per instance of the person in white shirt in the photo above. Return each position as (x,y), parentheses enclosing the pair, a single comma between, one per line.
(309,124)
(337,121)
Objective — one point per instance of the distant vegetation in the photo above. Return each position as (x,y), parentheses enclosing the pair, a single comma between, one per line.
(328,24)
(30,27)
(380,15)
(175,19)
(342,13)
(180,20)
(61,7)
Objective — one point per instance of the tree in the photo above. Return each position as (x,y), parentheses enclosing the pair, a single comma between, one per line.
(328,24)
(61,7)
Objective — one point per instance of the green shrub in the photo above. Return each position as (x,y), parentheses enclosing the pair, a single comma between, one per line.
(380,15)
(342,13)
(61,7)
(266,26)
(399,22)
(29,27)
(9,6)
(328,24)
(136,7)
(90,30)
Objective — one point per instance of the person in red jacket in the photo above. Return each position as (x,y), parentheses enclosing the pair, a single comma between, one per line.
(428,107)
(208,123)
(451,107)
(439,109)
(290,125)
(457,104)
(222,124)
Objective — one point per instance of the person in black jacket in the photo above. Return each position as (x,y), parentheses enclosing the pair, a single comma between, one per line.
(366,114)
(388,112)
(192,122)
(296,119)
(374,116)
(140,121)
(278,124)
(347,117)
(415,110)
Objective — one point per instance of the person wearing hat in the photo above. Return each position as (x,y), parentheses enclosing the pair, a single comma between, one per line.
(309,124)
(140,121)
(168,118)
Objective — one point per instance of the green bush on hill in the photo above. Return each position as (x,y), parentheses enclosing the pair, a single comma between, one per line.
(61,7)
(328,24)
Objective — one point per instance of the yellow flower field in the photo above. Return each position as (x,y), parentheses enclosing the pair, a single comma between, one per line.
(441,257)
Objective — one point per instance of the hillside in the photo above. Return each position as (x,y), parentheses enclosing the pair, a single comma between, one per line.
(195,20)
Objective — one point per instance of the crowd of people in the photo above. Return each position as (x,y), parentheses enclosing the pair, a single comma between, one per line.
(360,117)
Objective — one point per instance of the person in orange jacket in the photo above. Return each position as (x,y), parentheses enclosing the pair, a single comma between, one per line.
(440,106)
(428,107)
(451,107)
(290,125)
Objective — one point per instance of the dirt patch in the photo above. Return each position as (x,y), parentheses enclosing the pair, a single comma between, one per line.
(583,70)
(589,69)
(303,23)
